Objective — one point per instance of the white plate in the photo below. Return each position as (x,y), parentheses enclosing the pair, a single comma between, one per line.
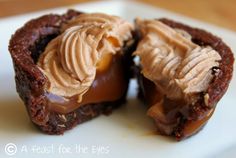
(128,131)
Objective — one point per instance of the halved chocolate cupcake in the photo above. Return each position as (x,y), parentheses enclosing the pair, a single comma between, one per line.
(70,68)
(183,73)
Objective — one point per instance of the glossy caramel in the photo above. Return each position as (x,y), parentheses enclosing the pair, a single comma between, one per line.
(194,126)
(170,110)
(109,85)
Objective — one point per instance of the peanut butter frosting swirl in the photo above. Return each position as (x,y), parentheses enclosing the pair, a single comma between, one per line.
(70,60)
(177,66)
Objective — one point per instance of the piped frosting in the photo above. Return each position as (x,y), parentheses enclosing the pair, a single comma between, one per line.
(70,61)
(177,66)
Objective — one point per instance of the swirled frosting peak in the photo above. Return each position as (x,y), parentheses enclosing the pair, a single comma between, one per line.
(70,60)
(177,66)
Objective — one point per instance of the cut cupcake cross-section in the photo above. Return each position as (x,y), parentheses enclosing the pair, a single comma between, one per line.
(178,66)
(72,67)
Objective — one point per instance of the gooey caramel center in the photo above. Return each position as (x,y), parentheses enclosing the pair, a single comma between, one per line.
(86,45)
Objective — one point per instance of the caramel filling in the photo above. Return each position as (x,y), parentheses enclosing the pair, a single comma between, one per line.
(83,65)
(166,112)
(194,126)
(108,85)
(86,45)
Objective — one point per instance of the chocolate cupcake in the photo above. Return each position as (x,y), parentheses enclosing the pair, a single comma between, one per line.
(183,73)
(70,68)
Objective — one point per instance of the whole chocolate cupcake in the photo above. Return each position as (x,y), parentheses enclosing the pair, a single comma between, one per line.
(70,68)
(183,73)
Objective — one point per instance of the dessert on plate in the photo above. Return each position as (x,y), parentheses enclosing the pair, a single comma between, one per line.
(183,73)
(70,68)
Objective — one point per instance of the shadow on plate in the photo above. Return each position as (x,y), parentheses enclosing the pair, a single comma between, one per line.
(132,117)
(14,118)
